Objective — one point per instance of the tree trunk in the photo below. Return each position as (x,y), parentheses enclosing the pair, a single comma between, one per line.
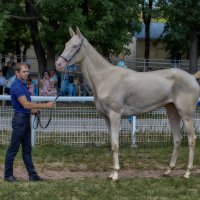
(39,50)
(50,56)
(24,52)
(147,22)
(193,51)
(50,47)
(147,42)
(85,8)
(18,51)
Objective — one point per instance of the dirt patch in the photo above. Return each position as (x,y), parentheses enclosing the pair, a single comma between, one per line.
(21,173)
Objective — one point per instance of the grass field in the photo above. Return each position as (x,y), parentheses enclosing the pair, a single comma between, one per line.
(60,159)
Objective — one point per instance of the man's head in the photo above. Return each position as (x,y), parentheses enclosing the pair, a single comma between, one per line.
(22,71)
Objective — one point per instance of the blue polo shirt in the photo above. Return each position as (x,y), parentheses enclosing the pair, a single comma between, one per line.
(19,88)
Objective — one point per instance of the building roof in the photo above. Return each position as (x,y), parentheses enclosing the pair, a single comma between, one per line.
(156,29)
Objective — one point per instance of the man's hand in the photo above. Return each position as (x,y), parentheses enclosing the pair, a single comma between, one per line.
(50,105)
(35,111)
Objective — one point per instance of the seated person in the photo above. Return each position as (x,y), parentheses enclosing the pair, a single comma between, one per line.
(85,88)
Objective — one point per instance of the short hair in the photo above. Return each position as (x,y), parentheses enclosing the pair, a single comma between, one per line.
(19,65)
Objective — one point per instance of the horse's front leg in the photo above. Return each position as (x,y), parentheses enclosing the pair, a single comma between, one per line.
(115,119)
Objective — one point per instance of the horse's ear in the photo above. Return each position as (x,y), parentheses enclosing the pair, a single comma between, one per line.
(78,32)
(71,32)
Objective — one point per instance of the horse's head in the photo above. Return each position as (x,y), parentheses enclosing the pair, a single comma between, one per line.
(71,54)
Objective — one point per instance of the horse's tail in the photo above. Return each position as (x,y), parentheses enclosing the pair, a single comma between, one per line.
(197,75)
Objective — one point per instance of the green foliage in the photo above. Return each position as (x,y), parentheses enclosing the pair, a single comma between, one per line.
(182,18)
(4,26)
(12,30)
(58,16)
(110,24)
(107,24)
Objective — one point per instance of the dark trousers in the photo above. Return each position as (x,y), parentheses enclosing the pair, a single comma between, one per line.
(21,135)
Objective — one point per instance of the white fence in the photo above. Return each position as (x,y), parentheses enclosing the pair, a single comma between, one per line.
(80,124)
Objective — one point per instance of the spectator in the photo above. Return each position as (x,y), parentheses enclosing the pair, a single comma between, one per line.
(7,88)
(8,70)
(45,84)
(67,83)
(47,87)
(52,89)
(64,84)
(53,79)
(58,74)
(121,63)
(2,82)
(71,85)
(30,86)
(85,88)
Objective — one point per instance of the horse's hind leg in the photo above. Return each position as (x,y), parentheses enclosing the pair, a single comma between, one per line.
(174,120)
(107,120)
(188,123)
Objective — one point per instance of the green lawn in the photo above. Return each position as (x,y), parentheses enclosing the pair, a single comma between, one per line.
(96,159)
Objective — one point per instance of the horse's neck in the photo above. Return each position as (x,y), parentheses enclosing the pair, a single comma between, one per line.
(95,68)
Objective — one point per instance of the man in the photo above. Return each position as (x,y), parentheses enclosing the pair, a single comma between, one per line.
(21,134)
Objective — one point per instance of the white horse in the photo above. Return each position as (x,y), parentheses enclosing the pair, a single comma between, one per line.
(121,92)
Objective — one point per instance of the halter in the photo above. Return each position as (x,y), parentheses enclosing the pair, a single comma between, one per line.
(67,60)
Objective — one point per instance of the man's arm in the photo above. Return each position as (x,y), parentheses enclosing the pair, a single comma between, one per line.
(29,105)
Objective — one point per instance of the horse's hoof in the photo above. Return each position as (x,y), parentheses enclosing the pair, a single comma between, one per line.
(186,176)
(110,176)
(167,173)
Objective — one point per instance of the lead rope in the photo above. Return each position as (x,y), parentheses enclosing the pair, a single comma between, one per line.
(37,120)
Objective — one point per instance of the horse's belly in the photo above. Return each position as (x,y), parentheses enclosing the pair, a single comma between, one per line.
(142,104)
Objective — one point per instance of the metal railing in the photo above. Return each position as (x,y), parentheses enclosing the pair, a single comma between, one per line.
(80,125)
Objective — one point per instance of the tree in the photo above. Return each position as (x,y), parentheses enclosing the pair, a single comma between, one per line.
(175,40)
(184,14)
(15,35)
(107,24)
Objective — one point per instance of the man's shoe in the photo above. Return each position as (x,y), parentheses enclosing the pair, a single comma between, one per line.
(35,178)
(10,179)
